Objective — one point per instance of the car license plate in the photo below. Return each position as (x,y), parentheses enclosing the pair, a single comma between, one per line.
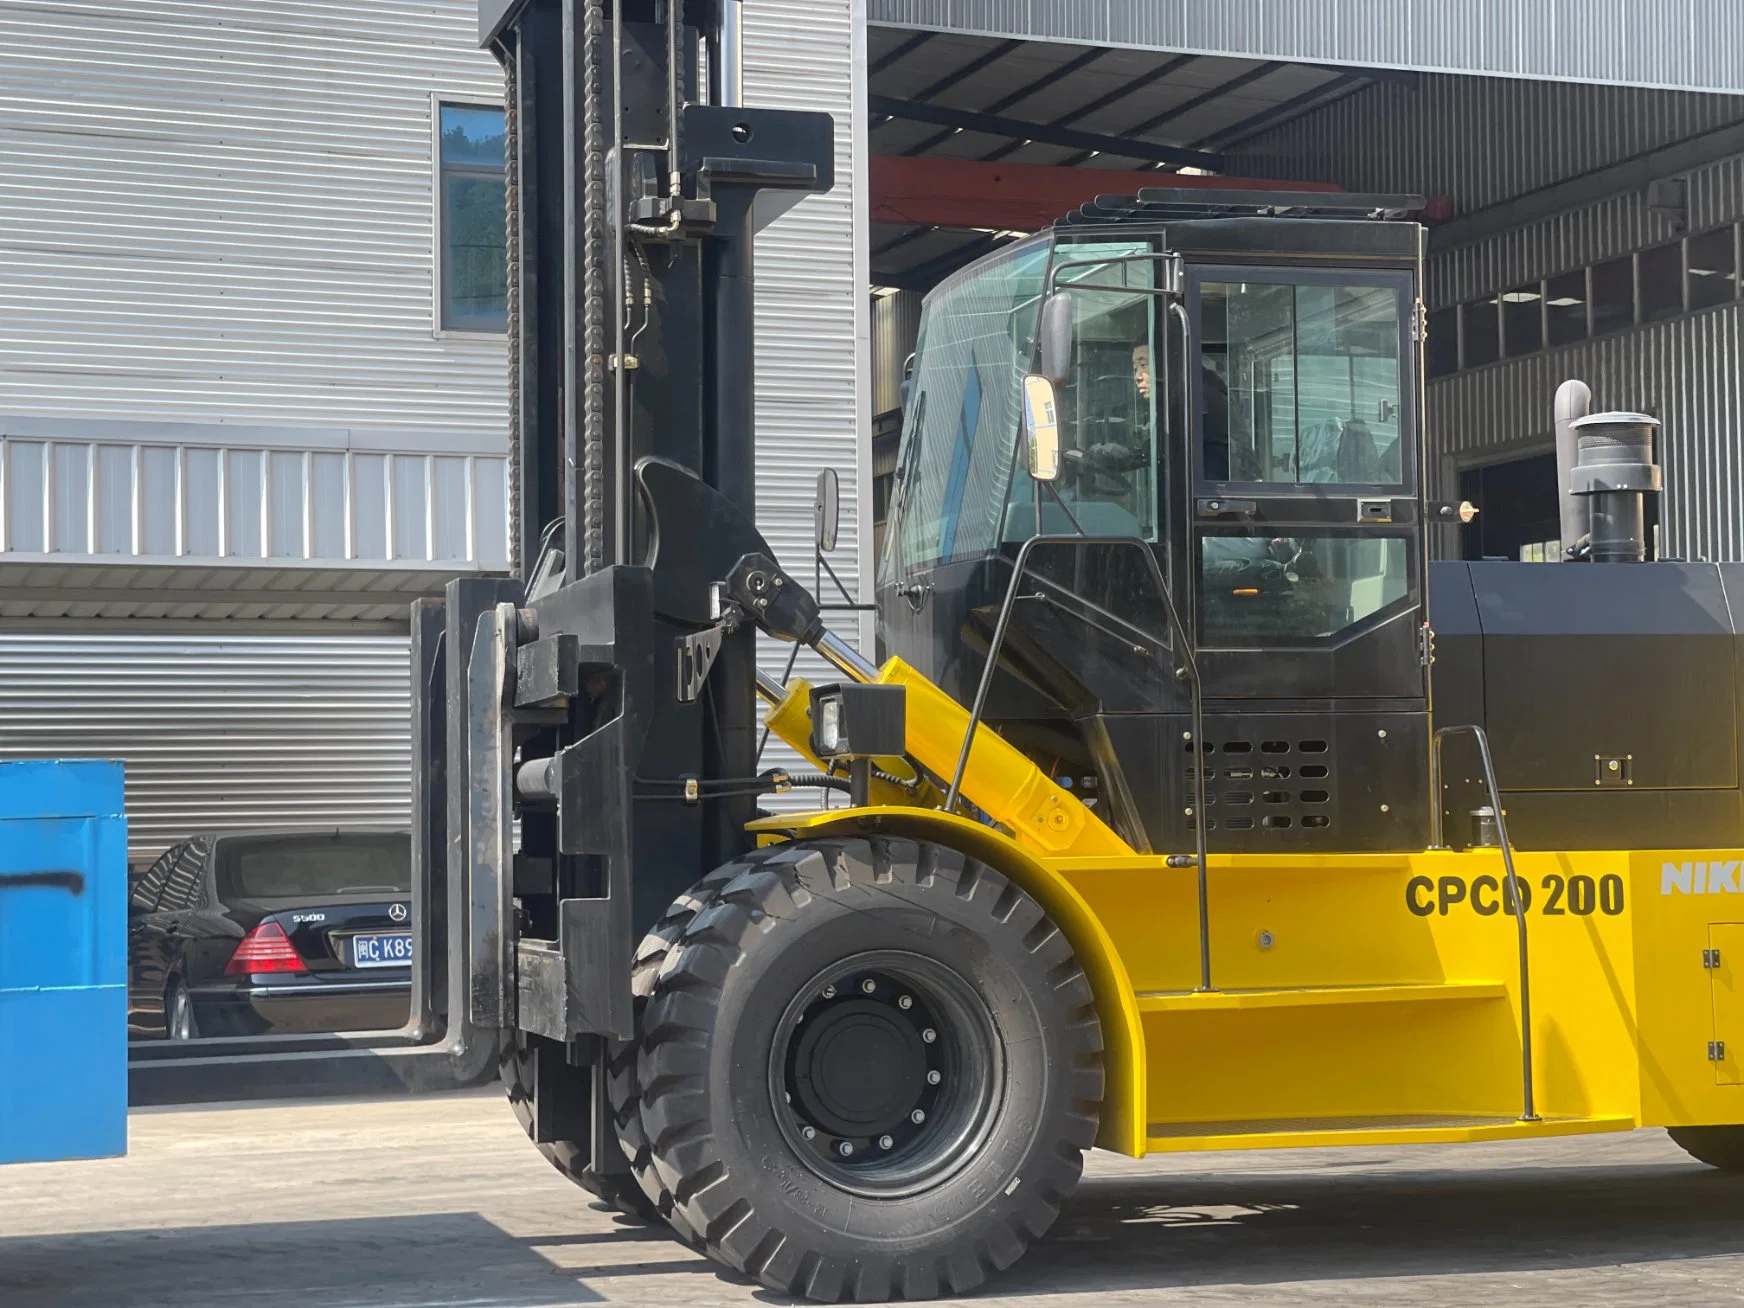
(392,949)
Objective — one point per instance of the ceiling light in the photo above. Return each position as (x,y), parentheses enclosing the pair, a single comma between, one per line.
(1708,272)
(1520,297)
(1564,302)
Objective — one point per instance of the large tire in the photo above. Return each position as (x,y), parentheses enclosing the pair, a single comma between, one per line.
(1717,1146)
(830,985)
(617,1191)
(623,1085)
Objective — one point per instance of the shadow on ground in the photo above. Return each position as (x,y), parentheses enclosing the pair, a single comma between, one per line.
(457,1259)
(1118,1235)
(1256,1228)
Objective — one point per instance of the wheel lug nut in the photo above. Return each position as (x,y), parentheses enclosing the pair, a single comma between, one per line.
(884,1142)
(829,992)
(868,985)
(929,1035)
(809,1132)
(934,1077)
(917,1117)
(905,1002)
(845,1149)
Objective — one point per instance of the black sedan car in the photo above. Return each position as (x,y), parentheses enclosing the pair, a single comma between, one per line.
(263,932)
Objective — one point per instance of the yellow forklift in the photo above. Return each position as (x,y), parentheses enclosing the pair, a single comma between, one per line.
(1190,808)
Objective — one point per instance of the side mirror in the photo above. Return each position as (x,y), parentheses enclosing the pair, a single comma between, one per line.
(826,510)
(1041,429)
(1057,330)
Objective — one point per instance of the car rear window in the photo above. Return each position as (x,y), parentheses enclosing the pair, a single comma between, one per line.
(283,867)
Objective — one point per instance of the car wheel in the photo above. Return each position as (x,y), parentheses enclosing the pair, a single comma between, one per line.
(870,1069)
(1717,1146)
(179,1014)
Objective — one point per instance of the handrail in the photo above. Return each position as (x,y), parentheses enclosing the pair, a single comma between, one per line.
(1528,1110)
(1188,663)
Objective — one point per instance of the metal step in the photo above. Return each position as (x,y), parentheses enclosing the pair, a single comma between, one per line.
(1191,1001)
(1410,1128)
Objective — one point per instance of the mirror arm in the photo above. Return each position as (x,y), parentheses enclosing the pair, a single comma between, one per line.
(1070,516)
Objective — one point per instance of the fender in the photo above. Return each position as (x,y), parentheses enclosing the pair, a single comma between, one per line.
(1122,1128)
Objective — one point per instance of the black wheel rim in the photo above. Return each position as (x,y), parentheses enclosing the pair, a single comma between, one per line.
(886,1073)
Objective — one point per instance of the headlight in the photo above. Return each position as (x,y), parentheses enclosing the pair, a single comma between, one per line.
(829,726)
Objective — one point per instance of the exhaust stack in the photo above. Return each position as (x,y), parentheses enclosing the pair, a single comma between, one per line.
(1613,471)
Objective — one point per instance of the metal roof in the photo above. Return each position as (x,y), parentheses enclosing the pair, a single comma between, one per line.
(954,96)
(1686,45)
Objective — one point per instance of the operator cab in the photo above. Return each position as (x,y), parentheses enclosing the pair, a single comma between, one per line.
(1237,393)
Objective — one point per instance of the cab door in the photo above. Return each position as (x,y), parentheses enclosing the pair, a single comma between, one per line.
(1303,506)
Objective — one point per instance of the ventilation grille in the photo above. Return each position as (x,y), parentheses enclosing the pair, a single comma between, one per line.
(1278,784)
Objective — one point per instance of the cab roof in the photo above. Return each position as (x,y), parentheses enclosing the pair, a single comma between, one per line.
(1259,226)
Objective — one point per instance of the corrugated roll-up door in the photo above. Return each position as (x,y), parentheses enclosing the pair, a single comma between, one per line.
(220,732)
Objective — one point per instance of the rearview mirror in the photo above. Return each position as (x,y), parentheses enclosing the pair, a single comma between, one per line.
(1056,338)
(1041,429)
(826,510)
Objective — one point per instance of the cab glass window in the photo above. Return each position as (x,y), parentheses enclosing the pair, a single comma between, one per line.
(1258,588)
(1301,383)
(1107,408)
(960,441)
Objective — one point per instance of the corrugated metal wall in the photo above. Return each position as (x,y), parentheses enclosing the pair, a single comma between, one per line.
(813,320)
(812,316)
(220,732)
(1691,44)
(1478,140)
(1688,373)
(895,328)
(1579,237)
(221,216)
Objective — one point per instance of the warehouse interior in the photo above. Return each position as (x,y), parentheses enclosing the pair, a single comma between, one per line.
(1575,230)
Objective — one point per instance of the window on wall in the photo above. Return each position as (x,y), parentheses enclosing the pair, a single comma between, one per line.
(1700,272)
(1661,273)
(470,223)
(1442,348)
(1712,269)
(1565,308)
(1482,333)
(1613,295)
(1523,320)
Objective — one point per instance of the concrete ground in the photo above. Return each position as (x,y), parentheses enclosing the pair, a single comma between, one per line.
(441,1203)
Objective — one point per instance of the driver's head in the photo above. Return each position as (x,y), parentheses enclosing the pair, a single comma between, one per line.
(1141,370)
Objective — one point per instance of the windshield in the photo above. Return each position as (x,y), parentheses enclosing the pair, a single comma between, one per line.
(281,867)
(960,438)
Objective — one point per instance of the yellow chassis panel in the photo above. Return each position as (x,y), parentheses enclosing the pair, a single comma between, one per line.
(1375,997)
(1357,998)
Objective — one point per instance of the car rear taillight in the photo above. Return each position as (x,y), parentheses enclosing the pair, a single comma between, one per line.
(266,949)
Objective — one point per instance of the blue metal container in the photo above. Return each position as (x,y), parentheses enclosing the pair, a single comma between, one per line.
(63,961)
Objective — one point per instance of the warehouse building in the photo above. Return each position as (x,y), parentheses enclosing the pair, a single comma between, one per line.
(253,392)
(252,369)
